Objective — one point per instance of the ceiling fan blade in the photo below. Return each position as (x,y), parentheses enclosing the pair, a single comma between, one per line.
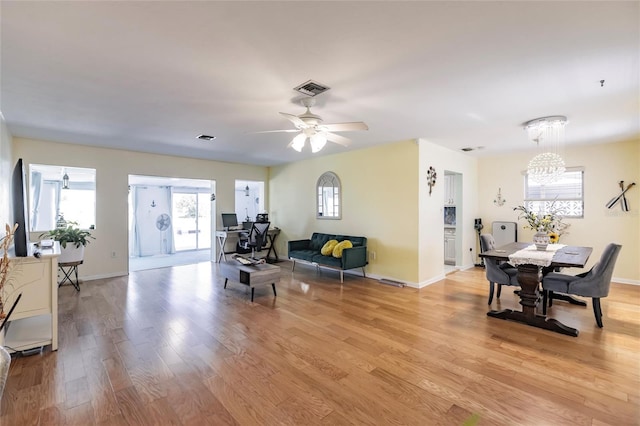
(340,140)
(345,127)
(294,119)
(278,131)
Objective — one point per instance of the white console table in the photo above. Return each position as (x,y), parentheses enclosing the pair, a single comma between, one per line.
(34,322)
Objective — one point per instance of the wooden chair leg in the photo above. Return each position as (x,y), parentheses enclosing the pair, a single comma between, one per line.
(491,286)
(499,290)
(550,298)
(273,286)
(294,265)
(597,310)
(545,297)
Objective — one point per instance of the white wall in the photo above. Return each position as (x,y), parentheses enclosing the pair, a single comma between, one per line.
(431,230)
(604,165)
(112,170)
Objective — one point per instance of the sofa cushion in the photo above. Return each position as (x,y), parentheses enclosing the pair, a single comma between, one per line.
(307,255)
(337,250)
(318,240)
(358,241)
(327,249)
(327,260)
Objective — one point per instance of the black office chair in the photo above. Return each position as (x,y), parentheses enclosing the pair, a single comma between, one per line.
(501,273)
(256,239)
(594,284)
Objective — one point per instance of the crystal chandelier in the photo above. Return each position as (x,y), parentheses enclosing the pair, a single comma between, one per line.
(548,134)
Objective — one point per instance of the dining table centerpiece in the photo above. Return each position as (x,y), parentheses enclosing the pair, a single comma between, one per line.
(548,225)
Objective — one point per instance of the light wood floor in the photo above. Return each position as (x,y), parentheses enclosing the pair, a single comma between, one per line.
(171,346)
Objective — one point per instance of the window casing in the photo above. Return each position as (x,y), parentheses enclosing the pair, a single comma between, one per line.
(328,196)
(566,194)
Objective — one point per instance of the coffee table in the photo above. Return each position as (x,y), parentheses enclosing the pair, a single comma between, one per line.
(250,275)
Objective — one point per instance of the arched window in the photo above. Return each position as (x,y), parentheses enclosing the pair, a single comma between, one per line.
(328,195)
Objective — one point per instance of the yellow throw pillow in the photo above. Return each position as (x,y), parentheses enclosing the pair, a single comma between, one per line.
(327,249)
(337,250)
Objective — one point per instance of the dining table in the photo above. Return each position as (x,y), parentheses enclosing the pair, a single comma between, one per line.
(532,264)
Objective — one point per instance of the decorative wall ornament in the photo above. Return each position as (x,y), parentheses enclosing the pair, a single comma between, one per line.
(625,206)
(499,201)
(431,178)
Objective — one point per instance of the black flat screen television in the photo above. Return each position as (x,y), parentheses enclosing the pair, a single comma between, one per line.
(229,220)
(20,211)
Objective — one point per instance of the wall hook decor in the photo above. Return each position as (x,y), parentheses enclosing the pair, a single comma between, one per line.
(153,203)
(431,178)
(625,206)
(499,201)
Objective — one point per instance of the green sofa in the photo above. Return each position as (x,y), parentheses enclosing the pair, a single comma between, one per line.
(309,251)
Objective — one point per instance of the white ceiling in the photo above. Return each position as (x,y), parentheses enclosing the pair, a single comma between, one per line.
(151,76)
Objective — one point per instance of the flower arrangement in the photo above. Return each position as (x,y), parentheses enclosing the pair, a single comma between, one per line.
(549,223)
(5,265)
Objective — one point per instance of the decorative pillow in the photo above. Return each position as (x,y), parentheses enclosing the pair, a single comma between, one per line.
(337,250)
(327,249)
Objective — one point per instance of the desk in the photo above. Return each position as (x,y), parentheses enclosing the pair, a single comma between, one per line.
(529,277)
(222,236)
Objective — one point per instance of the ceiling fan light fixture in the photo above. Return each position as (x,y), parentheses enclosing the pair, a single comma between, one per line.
(298,142)
(318,141)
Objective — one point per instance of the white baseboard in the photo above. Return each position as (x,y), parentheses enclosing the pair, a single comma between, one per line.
(624,281)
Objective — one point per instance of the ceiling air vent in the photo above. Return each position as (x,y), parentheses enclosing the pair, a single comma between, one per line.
(311,88)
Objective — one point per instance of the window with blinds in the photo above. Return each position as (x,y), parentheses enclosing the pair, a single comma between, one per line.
(565,195)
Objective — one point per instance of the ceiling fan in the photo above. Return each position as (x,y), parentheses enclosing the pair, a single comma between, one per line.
(310,126)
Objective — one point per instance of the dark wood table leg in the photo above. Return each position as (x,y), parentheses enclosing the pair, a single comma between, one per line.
(529,279)
(225,282)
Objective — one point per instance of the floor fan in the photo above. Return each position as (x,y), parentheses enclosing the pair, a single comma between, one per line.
(163,222)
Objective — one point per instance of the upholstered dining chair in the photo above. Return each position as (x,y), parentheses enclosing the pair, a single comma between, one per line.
(595,283)
(257,238)
(500,273)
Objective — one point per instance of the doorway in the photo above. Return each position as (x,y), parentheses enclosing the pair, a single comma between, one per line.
(452,212)
(170,221)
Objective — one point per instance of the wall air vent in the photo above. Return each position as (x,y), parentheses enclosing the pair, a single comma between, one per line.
(311,88)
(206,137)
(467,149)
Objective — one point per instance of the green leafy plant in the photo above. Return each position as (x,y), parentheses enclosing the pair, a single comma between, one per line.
(549,222)
(69,234)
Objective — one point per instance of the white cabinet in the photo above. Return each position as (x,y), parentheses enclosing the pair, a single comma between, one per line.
(450,246)
(449,190)
(34,322)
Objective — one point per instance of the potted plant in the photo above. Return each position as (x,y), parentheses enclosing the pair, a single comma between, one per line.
(72,241)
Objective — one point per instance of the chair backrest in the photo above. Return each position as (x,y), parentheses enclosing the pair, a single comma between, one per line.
(487,242)
(258,234)
(5,362)
(597,281)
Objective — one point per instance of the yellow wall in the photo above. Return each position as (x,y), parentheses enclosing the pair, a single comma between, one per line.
(604,166)
(379,199)
(113,168)
(385,198)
